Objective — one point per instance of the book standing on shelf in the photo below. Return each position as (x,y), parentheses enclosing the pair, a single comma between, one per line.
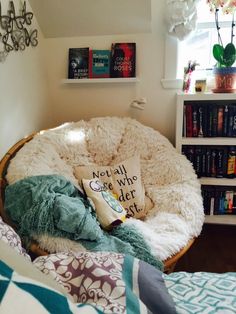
(225,120)
(195,121)
(123,60)
(189,120)
(99,63)
(209,120)
(208,140)
(219,200)
(78,63)
(212,161)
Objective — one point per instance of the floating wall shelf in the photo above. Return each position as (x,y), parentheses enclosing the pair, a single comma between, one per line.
(101,80)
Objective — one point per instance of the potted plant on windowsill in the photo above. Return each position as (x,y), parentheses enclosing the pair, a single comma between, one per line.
(225,73)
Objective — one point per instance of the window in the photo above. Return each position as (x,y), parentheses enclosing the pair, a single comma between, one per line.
(198,46)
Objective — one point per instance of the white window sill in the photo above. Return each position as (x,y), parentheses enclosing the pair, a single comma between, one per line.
(172,83)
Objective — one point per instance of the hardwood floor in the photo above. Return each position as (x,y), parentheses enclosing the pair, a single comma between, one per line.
(213,251)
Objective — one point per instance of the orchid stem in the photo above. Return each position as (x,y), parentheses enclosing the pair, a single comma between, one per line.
(218,27)
(232,29)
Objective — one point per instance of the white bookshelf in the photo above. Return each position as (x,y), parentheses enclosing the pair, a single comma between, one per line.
(216,141)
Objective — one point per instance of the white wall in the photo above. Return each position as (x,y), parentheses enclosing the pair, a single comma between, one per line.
(24,85)
(24,104)
(82,101)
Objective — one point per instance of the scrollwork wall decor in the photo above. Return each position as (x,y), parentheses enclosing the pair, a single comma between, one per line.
(15,34)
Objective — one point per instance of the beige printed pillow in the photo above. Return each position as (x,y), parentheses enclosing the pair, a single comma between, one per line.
(109,211)
(123,180)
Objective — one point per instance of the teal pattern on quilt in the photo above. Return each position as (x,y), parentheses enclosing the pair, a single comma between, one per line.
(202,292)
(132,302)
(5,276)
(44,299)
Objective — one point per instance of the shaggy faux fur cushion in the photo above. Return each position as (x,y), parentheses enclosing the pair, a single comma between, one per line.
(168,177)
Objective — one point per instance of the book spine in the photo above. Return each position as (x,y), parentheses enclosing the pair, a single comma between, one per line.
(220,115)
(214,120)
(221,208)
(231,162)
(200,121)
(213,163)
(189,121)
(234,121)
(203,170)
(234,203)
(231,121)
(220,163)
(209,120)
(195,121)
(204,120)
(216,202)
(189,152)
(208,162)
(212,202)
(184,130)
(225,120)
(198,161)
(230,196)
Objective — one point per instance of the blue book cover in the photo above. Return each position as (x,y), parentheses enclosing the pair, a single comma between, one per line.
(100,63)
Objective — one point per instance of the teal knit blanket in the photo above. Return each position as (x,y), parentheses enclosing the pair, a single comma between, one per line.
(51,204)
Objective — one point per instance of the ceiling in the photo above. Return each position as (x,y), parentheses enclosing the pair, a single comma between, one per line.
(68,18)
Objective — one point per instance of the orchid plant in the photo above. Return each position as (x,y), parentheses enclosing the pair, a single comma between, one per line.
(225,56)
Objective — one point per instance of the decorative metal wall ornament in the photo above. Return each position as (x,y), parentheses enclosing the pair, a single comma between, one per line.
(14,35)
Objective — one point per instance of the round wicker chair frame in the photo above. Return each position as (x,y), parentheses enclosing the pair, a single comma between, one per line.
(169,264)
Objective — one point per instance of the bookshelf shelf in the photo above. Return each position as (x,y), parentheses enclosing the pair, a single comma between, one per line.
(209,141)
(101,80)
(221,219)
(218,189)
(218,181)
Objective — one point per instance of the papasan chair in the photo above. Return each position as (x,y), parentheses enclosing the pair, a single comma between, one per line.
(176,215)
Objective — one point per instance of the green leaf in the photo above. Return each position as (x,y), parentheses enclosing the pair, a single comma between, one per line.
(218,53)
(229,55)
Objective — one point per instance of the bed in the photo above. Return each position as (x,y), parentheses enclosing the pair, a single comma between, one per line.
(103,282)
(176,216)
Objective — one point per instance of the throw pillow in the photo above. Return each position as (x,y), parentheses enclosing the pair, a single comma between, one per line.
(123,180)
(109,210)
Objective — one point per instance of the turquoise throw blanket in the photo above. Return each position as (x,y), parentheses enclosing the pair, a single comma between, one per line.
(51,204)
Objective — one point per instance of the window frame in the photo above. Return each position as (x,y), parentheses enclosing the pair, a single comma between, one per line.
(172,49)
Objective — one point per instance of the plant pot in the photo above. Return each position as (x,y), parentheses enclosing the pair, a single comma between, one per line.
(225,80)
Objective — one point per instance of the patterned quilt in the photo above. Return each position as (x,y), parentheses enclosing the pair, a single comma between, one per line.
(111,282)
(202,292)
(105,283)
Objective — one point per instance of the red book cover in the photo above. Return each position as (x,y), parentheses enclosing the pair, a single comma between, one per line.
(189,120)
(123,60)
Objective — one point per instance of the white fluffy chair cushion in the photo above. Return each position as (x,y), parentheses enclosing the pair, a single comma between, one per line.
(168,177)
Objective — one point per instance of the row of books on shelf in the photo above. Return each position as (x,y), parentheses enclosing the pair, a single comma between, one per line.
(209,120)
(212,161)
(120,61)
(219,200)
